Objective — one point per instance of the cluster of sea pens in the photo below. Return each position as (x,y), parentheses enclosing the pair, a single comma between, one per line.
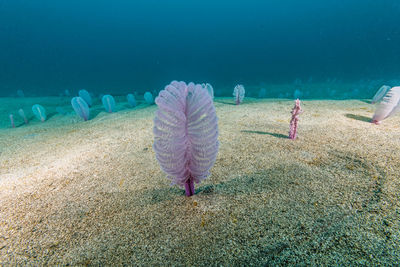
(81,104)
(186,131)
(37,110)
(186,125)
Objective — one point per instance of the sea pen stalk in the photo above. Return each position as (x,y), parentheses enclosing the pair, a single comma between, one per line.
(189,187)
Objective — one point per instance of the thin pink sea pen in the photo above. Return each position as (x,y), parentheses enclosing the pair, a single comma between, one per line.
(296,111)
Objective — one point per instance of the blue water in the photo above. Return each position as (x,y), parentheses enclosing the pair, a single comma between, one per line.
(114,47)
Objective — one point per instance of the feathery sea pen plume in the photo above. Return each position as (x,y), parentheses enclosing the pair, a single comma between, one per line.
(209,89)
(238,93)
(21,112)
(185,133)
(81,107)
(296,111)
(389,105)
(380,94)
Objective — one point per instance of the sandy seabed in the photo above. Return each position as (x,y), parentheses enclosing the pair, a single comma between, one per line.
(90,193)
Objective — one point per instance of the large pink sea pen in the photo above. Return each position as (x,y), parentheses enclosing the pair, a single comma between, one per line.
(296,111)
(389,105)
(185,133)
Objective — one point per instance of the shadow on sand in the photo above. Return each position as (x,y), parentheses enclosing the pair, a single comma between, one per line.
(358,117)
(224,102)
(257,182)
(366,101)
(277,135)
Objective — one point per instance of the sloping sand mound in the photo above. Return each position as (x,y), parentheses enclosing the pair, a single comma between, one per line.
(79,193)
